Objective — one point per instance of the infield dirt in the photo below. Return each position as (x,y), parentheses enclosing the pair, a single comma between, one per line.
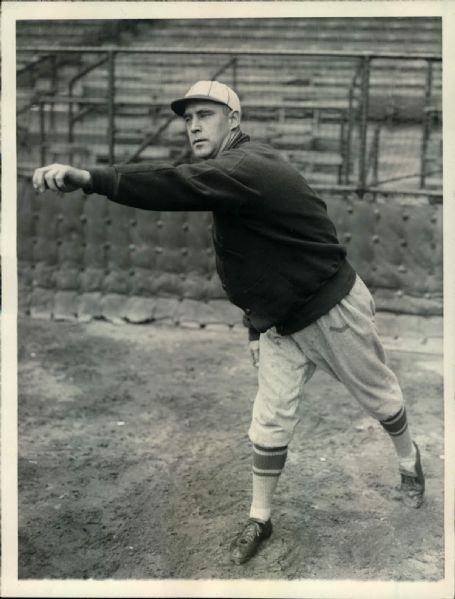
(134,463)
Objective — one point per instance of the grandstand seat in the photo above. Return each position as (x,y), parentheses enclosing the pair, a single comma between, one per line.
(300,106)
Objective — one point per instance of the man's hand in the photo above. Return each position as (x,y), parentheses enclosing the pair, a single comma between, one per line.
(254,351)
(60,177)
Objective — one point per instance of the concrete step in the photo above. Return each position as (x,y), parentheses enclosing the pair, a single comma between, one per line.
(291,40)
(298,134)
(380,36)
(142,104)
(340,24)
(433,182)
(319,178)
(58,26)
(253,95)
(386,27)
(308,157)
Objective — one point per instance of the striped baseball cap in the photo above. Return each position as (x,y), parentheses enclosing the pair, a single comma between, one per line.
(208,90)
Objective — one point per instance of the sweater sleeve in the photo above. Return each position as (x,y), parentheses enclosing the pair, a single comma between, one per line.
(212,185)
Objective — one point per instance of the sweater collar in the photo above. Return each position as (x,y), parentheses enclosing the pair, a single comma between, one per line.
(239,139)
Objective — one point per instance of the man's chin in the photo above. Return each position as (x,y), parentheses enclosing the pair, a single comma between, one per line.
(202,152)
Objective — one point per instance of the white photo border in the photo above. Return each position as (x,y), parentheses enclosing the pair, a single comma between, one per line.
(312,589)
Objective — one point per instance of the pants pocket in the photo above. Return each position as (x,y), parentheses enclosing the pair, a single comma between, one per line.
(361,299)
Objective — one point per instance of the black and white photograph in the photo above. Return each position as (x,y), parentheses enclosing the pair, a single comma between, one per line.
(225,320)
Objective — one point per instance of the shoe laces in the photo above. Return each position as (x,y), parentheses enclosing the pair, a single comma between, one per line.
(250,532)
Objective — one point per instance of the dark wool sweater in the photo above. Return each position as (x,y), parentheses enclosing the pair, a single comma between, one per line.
(277,253)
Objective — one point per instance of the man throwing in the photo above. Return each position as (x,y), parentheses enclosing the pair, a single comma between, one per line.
(279,260)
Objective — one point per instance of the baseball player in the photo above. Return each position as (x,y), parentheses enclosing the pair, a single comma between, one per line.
(279,259)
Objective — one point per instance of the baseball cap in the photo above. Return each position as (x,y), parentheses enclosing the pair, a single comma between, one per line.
(208,90)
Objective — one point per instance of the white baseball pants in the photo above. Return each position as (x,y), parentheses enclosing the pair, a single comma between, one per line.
(345,343)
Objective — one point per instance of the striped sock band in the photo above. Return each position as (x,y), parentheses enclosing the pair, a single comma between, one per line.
(396,425)
(397,428)
(268,463)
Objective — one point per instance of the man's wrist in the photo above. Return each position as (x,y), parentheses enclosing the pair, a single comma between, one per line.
(87,185)
(103,181)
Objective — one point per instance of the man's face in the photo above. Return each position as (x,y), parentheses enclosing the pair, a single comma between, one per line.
(208,125)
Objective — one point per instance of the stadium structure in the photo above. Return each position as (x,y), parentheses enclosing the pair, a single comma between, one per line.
(357,109)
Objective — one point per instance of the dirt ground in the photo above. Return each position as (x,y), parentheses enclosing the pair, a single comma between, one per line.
(134,462)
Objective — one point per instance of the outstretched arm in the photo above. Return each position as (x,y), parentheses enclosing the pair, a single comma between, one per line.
(60,177)
(211,184)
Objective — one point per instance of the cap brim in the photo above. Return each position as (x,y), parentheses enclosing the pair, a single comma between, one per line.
(178,106)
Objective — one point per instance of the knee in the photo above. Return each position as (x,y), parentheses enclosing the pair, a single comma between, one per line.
(271,432)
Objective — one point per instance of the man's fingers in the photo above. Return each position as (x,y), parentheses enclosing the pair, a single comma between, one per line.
(60,180)
(38,179)
(60,177)
(50,179)
(43,178)
(35,178)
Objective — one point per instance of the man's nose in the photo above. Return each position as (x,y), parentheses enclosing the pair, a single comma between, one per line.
(195,125)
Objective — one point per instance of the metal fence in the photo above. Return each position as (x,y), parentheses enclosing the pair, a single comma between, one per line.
(364,122)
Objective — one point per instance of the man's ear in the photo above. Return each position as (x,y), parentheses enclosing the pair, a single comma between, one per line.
(234,119)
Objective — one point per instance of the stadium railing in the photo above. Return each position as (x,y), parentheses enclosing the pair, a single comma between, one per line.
(362,123)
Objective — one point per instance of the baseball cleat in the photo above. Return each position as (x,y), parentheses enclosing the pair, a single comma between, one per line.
(246,544)
(413,486)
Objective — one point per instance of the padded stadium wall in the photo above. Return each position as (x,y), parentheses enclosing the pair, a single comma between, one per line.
(82,257)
